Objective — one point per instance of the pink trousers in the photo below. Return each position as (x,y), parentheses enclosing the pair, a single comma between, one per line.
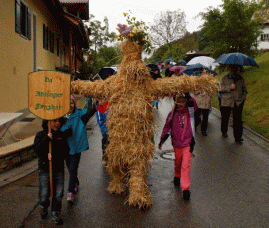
(183,166)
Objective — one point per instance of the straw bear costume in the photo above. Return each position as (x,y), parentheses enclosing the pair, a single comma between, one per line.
(131,118)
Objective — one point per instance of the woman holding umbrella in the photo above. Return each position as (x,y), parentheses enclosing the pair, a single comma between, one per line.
(234,92)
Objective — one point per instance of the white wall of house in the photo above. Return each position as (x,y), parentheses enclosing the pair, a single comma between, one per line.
(263,41)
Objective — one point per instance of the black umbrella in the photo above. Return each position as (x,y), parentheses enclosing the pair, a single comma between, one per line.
(105,72)
(152,67)
(196,70)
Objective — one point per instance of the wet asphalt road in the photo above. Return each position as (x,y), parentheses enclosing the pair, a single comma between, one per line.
(229,186)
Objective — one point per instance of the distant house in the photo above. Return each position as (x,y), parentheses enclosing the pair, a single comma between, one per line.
(263,40)
(194,53)
(38,35)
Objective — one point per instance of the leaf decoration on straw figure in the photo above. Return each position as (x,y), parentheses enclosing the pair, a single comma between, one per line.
(136,31)
(131,117)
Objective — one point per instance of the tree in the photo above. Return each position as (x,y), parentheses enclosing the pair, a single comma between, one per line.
(99,34)
(157,55)
(99,54)
(168,26)
(230,29)
(189,41)
(110,55)
(177,49)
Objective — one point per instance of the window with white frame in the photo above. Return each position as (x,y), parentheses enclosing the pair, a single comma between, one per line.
(22,19)
(265,37)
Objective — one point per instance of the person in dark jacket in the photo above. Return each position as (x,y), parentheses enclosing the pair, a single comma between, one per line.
(168,73)
(60,149)
(155,75)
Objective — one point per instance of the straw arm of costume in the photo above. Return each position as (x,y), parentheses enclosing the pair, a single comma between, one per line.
(97,89)
(184,84)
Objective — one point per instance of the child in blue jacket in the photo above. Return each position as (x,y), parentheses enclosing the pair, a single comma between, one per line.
(78,142)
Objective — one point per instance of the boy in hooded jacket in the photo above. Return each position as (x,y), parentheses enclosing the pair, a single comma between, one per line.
(58,154)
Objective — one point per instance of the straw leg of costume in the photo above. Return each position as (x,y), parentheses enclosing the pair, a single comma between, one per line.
(138,190)
(185,166)
(116,185)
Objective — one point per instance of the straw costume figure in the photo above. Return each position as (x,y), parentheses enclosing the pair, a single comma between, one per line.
(131,118)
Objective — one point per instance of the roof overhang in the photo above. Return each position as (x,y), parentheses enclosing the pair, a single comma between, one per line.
(79,24)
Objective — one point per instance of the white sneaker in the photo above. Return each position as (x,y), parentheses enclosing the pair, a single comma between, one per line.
(70,197)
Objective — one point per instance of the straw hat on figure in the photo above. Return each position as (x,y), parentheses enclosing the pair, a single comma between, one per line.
(131,117)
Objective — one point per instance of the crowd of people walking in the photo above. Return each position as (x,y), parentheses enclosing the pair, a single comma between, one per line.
(68,137)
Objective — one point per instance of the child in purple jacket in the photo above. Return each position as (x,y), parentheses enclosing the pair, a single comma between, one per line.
(179,124)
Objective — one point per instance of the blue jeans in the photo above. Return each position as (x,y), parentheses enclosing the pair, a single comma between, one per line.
(58,190)
(72,162)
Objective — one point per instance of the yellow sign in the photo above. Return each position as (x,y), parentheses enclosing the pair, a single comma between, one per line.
(49,94)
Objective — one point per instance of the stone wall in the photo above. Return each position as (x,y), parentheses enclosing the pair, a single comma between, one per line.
(12,160)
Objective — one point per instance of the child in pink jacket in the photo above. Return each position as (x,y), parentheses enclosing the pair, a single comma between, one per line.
(179,124)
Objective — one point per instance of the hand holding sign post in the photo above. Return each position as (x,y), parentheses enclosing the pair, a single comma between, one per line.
(49,99)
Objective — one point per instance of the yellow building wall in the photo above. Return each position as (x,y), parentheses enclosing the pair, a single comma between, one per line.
(16,54)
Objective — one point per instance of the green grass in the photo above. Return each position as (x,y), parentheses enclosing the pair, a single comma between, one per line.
(256,108)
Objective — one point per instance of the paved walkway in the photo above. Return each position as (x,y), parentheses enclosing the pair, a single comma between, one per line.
(22,200)
(23,129)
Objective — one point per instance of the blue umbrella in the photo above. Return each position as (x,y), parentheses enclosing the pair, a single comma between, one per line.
(196,70)
(236,58)
(105,72)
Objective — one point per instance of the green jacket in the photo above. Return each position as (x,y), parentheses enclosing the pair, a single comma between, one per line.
(236,96)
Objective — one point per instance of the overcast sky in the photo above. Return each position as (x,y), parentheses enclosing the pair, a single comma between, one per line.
(146,10)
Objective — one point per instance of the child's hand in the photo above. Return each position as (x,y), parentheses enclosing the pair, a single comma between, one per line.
(160,146)
(49,157)
(232,86)
(50,135)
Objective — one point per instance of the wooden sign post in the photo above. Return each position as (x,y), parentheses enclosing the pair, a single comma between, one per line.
(49,99)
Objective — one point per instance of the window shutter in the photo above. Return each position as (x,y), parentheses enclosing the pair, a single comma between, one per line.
(29,29)
(47,38)
(52,42)
(44,36)
(18,16)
